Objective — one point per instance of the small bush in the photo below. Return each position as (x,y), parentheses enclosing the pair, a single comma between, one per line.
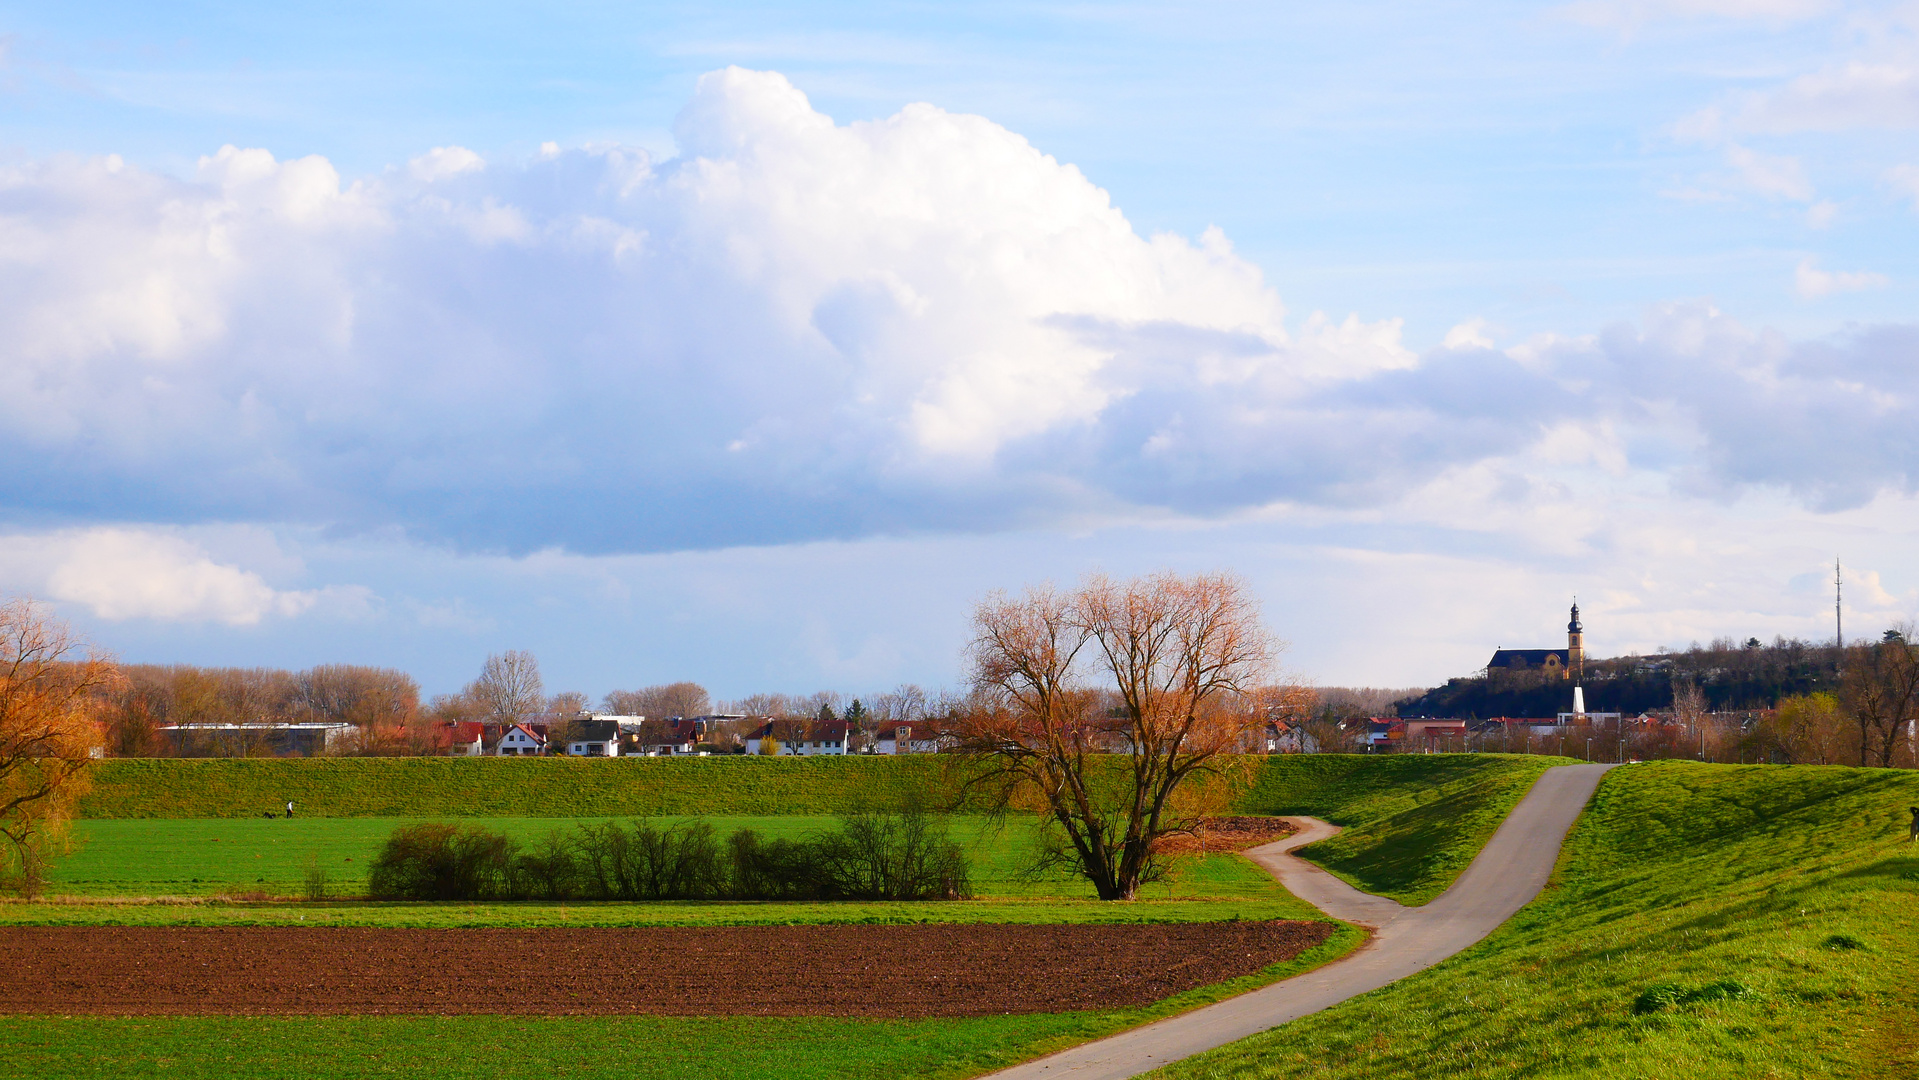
(443,862)
(316,879)
(904,856)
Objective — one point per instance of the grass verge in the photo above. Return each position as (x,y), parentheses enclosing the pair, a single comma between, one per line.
(1413,822)
(1706,921)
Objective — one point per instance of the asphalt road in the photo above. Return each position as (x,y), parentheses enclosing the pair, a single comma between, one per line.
(1506,875)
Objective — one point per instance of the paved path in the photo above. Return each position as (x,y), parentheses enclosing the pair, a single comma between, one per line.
(1508,873)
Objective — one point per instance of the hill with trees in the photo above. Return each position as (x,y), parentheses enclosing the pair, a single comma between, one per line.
(1729,676)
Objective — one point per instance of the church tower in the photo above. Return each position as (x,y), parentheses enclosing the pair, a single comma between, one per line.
(1575,646)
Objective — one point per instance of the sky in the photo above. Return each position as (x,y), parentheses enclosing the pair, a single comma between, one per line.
(754,344)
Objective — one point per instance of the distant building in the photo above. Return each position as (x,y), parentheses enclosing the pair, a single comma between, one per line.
(1566,663)
(241,740)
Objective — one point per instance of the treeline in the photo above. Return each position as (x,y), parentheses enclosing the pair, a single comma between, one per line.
(390,720)
(1730,675)
(905,856)
(381,703)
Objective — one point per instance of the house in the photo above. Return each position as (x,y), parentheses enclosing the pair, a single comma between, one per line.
(921,737)
(1286,737)
(796,739)
(661,738)
(465,738)
(1426,733)
(598,737)
(521,741)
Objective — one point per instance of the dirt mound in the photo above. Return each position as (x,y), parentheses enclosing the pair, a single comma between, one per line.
(1228,834)
(898,971)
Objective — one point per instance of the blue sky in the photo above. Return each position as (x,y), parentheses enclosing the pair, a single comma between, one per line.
(751,344)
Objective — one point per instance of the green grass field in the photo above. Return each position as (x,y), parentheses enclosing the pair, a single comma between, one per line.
(214,856)
(1413,822)
(1706,921)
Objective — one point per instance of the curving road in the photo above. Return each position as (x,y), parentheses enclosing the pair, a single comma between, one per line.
(1505,876)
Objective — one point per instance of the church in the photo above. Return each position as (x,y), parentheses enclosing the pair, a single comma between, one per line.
(1566,663)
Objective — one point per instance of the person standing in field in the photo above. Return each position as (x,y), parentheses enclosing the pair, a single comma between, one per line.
(1913,833)
(289,807)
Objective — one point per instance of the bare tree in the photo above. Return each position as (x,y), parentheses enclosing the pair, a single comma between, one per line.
(509,689)
(364,696)
(50,689)
(1109,706)
(1881,691)
(660,702)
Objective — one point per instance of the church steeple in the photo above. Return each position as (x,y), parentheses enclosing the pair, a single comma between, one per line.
(1575,646)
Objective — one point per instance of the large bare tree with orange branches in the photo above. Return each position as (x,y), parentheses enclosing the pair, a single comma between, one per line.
(50,688)
(1110,706)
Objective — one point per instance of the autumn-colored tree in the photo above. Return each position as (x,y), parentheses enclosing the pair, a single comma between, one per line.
(1806,729)
(1110,707)
(50,688)
(1881,692)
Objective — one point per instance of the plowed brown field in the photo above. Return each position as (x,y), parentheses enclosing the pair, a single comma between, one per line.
(898,971)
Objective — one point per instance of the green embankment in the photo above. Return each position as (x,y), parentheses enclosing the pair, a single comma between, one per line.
(484,787)
(1413,822)
(1706,921)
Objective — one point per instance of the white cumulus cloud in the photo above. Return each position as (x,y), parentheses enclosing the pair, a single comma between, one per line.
(794,329)
(139,573)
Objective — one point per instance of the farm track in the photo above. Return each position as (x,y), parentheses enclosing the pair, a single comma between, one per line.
(890,971)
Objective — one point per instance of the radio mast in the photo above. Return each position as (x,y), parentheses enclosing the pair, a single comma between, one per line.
(1838,619)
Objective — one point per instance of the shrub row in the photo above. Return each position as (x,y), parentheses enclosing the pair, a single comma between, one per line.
(904,856)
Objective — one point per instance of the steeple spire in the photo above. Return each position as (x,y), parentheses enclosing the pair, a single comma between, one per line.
(1575,646)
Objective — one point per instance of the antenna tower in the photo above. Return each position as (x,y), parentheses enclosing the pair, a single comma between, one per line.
(1838,619)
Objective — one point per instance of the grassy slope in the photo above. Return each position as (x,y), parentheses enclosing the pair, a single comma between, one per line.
(507,787)
(1412,821)
(1794,882)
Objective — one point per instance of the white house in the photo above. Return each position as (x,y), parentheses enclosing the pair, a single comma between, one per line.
(521,741)
(1286,738)
(808,740)
(595,738)
(920,738)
